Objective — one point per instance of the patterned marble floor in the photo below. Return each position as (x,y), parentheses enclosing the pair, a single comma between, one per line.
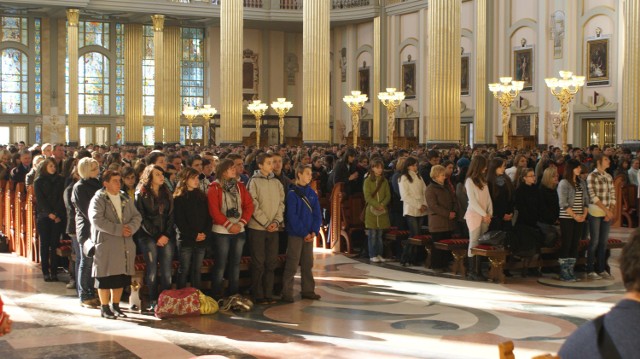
(366,311)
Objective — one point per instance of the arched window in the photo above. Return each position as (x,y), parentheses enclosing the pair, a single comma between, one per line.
(93,88)
(14,75)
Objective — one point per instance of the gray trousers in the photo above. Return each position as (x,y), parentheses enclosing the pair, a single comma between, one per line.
(298,252)
(264,259)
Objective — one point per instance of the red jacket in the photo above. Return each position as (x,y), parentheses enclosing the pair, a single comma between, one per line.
(215,205)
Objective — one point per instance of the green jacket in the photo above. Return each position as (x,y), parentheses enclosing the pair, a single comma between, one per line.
(382,197)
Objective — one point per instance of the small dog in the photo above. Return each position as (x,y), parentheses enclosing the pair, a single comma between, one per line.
(135,303)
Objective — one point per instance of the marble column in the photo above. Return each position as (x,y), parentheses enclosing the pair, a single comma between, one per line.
(443,112)
(315,72)
(172,99)
(231,42)
(73,15)
(631,74)
(479,131)
(133,119)
(377,77)
(159,90)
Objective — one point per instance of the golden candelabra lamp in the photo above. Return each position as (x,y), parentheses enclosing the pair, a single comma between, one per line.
(207,112)
(281,106)
(505,92)
(257,108)
(190,113)
(391,100)
(564,90)
(355,101)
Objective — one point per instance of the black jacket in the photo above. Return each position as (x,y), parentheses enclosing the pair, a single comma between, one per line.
(71,211)
(503,203)
(49,196)
(342,174)
(192,217)
(83,192)
(154,222)
(549,205)
(528,205)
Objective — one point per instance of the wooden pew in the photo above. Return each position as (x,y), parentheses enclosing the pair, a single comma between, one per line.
(30,223)
(3,228)
(18,219)
(7,218)
(625,209)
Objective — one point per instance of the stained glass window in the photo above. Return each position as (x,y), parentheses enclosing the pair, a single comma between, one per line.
(38,68)
(93,33)
(148,136)
(148,73)
(120,135)
(192,67)
(38,133)
(93,88)
(14,29)
(120,69)
(14,88)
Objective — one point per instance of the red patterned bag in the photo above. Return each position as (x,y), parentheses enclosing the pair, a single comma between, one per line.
(178,302)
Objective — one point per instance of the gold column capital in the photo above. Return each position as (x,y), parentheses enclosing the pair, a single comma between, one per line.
(73,16)
(158,22)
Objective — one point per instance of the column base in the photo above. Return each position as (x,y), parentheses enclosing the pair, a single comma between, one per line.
(443,144)
(632,145)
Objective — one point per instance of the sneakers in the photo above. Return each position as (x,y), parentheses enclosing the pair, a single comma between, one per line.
(90,303)
(374,260)
(605,275)
(381,260)
(593,276)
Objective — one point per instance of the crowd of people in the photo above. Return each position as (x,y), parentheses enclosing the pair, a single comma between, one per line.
(189,202)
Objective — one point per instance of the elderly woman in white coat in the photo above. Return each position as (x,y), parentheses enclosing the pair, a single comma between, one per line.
(114,220)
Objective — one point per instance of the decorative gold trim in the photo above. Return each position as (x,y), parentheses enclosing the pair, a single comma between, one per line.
(158,22)
(73,17)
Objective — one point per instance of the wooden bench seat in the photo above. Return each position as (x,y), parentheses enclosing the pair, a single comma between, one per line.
(458,248)
(497,258)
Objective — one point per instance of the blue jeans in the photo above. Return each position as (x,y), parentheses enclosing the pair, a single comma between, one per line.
(227,250)
(152,255)
(375,242)
(84,281)
(599,230)
(414,224)
(190,265)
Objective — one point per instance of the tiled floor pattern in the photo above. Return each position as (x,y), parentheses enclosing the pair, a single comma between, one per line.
(366,311)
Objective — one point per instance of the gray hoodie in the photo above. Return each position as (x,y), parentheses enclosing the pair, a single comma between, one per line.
(268,201)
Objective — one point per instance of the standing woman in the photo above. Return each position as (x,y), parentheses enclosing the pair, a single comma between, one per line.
(114,220)
(479,211)
(83,192)
(303,220)
(377,196)
(414,203)
(193,223)
(50,215)
(155,204)
(502,195)
(230,207)
(573,199)
(602,196)
(442,211)
(549,205)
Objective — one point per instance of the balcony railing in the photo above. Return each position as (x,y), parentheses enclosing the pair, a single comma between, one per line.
(247,3)
(291,4)
(347,4)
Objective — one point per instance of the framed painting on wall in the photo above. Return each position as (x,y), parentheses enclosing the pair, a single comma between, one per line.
(523,67)
(363,80)
(464,76)
(409,78)
(597,62)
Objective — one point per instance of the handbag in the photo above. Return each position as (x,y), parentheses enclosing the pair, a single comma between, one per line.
(493,238)
(178,302)
(375,192)
(208,305)
(235,303)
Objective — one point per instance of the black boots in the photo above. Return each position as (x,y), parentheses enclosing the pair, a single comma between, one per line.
(474,272)
(107,313)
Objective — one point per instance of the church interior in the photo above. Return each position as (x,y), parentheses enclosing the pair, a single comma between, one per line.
(396,73)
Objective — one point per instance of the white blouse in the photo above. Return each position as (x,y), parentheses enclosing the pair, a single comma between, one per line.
(413,195)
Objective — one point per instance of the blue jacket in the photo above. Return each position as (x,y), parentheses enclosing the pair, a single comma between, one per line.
(300,220)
